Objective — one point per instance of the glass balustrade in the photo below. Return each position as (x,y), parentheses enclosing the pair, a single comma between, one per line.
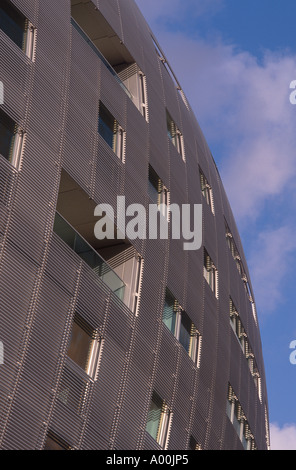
(69,235)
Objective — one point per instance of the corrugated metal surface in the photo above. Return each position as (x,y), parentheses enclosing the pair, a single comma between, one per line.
(55,100)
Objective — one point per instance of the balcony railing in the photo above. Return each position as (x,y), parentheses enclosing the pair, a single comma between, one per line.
(100,55)
(69,235)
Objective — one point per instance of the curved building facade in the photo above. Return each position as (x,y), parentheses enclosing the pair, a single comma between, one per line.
(114,343)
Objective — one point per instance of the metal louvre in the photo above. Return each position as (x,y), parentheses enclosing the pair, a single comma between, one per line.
(43,282)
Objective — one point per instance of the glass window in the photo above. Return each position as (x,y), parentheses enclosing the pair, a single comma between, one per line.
(111,132)
(175,135)
(180,324)
(16,26)
(188,336)
(7,135)
(13,23)
(206,190)
(210,273)
(157,191)
(238,419)
(193,445)
(83,347)
(170,311)
(158,420)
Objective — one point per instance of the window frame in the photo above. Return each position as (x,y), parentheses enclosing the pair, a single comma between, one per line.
(27,42)
(164,420)
(195,338)
(175,135)
(17,138)
(118,133)
(210,273)
(239,421)
(156,184)
(93,354)
(206,190)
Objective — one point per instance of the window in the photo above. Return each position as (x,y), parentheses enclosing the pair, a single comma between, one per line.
(16,26)
(115,260)
(135,81)
(180,324)
(158,420)
(243,340)
(54,442)
(111,131)
(157,191)
(237,326)
(11,139)
(175,135)
(193,445)
(206,190)
(238,419)
(240,268)
(210,273)
(84,346)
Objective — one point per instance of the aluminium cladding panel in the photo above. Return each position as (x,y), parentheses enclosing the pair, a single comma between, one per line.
(42,141)
(133,411)
(38,362)
(80,139)
(183,406)
(16,70)
(8,181)
(166,366)
(106,398)
(136,159)
(132,33)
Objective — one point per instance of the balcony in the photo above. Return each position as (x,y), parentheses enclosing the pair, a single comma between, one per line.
(69,235)
(103,40)
(115,261)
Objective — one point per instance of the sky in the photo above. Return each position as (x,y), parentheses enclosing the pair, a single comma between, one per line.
(235,61)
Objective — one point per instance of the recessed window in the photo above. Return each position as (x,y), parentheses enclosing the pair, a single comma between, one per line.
(158,420)
(239,421)
(193,445)
(54,442)
(206,190)
(157,191)
(111,131)
(84,346)
(11,139)
(210,273)
(182,327)
(16,26)
(135,81)
(236,256)
(244,342)
(175,135)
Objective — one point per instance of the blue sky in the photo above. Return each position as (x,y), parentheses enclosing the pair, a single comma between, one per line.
(235,60)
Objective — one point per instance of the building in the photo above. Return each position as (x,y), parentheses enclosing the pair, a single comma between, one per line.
(114,344)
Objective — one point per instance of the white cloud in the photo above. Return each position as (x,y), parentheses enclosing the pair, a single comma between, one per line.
(269,263)
(244,110)
(283,438)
